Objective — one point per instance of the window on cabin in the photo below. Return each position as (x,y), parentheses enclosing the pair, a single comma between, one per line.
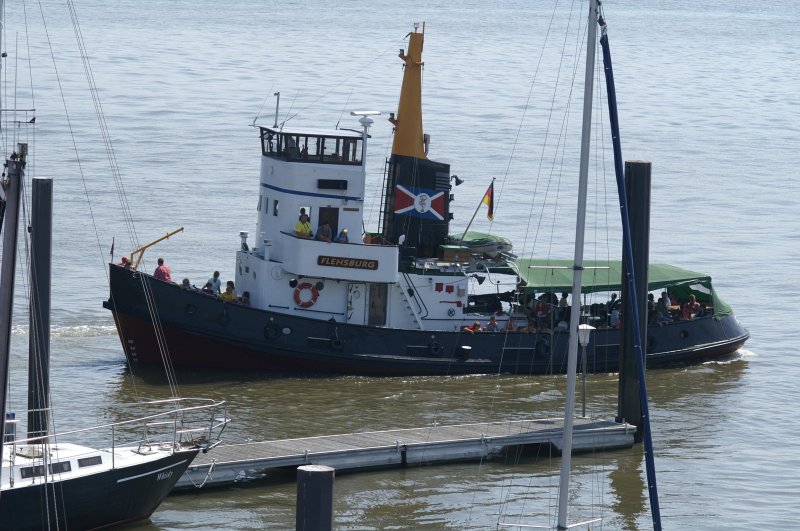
(275,207)
(90,461)
(58,468)
(31,471)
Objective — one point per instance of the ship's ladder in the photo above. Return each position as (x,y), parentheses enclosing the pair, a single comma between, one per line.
(407,301)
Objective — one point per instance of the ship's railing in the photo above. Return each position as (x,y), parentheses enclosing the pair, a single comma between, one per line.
(174,423)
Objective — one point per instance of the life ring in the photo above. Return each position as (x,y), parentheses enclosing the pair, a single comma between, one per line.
(305,303)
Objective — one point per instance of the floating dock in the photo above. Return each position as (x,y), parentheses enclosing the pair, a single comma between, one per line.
(235,463)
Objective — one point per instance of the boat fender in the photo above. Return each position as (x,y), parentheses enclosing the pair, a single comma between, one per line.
(651,343)
(337,344)
(435,348)
(542,348)
(272,331)
(298,299)
(191,309)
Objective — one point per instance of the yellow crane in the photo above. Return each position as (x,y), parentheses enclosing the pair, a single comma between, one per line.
(136,256)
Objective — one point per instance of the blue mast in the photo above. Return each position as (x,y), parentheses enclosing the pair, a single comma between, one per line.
(628,257)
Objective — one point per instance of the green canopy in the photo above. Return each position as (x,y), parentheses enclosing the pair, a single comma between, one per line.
(472,237)
(601,275)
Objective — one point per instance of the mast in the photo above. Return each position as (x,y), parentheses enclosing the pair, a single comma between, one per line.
(583,180)
(416,202)
(15,165)
(408,140)
(627,248)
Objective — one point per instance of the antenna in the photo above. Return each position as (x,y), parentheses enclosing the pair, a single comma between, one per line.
(365,122)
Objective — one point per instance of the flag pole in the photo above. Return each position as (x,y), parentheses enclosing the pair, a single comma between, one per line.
(461,241)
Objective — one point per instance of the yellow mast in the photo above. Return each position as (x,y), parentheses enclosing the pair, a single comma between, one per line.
(408,139)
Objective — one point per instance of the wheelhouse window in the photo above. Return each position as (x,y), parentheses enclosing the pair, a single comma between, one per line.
(303,147)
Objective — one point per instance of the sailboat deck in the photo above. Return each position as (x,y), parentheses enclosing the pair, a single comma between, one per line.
(232,463)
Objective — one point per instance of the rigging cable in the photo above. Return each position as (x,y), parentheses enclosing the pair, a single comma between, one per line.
(127,216)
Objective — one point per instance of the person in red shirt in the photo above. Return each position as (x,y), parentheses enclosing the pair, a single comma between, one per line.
(162,271)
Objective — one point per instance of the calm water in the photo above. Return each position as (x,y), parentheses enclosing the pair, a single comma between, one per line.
(708,92)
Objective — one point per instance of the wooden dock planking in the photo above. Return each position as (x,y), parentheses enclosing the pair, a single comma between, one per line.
(233,463)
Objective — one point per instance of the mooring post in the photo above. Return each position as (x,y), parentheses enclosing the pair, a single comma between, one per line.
(314,498)
(39,338)
(637,184)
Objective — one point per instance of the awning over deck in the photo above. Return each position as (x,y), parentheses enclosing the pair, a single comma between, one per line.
(601,275)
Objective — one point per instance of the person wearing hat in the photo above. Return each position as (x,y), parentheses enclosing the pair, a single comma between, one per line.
(342,237)
(125,262)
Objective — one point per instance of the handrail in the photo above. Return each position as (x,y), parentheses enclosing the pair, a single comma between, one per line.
(177,416)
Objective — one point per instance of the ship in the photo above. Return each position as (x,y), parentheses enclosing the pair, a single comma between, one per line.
(314,293)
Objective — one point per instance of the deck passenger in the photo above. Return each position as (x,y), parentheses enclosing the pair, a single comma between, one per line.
(613,319)
(208,289)
(692,307)
(216,283)
(664,300)
(303,227)
(492,326)
(511,325)
(229,295)
(613,303)
(342,237)
(543,314)
(652,316)
(324,233)
(162,272)
(474,329)
(245,300)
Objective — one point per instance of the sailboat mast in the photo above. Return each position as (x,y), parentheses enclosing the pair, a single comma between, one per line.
(577,271)
(634,319)
(7,271)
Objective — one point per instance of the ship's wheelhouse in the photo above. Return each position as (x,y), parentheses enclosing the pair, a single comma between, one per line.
(337,147)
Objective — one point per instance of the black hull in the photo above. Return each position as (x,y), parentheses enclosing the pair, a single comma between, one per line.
(104,499)
(201,331)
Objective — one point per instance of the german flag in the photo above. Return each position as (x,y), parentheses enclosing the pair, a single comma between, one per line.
(488,200)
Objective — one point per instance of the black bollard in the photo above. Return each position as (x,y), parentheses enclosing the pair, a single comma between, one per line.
(314,498)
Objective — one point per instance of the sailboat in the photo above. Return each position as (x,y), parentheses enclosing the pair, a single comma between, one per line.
(47,479)
(401,300)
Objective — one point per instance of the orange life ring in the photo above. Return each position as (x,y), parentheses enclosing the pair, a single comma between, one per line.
(299,300)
